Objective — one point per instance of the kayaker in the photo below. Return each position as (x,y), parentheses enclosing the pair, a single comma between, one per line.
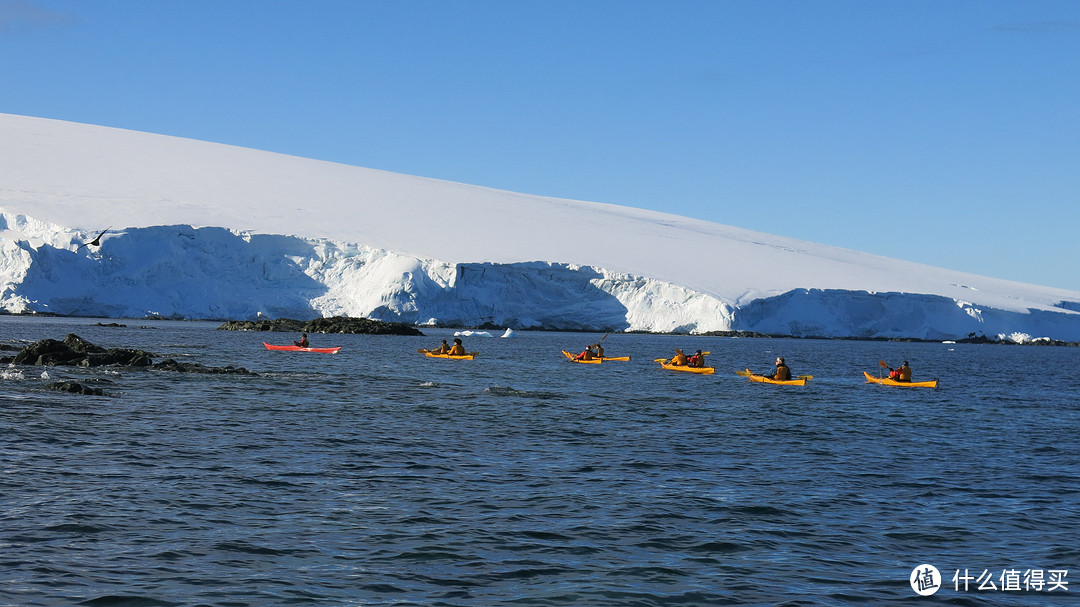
(444,348)
(697,359)
(679,359)
(587,354)
(780,371)
(901,373)
(905,372)
(599,350)
(303,343)
(458,349)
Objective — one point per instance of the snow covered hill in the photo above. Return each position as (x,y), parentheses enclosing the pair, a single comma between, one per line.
(203,230)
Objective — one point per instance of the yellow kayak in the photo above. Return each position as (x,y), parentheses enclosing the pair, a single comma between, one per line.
(885,381)
(666,363)
(595,360)
(469,356)
(768,380)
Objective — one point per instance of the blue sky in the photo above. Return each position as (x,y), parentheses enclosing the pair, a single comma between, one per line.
(944,132)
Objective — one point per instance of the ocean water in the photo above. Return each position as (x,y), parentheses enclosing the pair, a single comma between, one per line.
(377,476)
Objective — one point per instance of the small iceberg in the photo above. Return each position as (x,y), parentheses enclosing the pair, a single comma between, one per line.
(472,334)
(509,333)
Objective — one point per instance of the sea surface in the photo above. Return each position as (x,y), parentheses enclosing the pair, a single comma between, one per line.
(377,476)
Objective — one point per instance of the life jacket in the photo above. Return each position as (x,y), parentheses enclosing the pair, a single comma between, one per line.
(894,374)
(678,359)
(783,373)
(457,350)
(903,374)
(586,355)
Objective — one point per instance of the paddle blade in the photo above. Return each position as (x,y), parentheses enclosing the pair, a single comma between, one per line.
(660,360)
(743,373)
(806,377)
(423,351)
(883,365)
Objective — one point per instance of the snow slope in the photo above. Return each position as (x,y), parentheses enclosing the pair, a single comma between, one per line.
(205,230)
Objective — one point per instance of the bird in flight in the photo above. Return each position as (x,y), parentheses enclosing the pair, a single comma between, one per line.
(96,241)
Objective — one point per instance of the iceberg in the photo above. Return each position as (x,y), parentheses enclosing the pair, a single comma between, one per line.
(208,231)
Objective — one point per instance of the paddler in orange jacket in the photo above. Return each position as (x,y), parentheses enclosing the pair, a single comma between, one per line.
(587,354)
(444,348)
(696,360)
(901,373)
(458,349)
(679,359)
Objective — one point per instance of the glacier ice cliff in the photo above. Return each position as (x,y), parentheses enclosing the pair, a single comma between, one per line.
(179,271)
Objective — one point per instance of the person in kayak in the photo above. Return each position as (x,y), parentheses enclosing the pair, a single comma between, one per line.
(303,343)
(458,349)
(599,350)
(679,359)
(697,359)
(587,354)
(901,373)
(443,348)
(780,371)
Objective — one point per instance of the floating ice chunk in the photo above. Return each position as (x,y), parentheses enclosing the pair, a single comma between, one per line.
(509,333)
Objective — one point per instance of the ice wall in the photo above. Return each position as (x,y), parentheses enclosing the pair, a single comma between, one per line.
(216,273)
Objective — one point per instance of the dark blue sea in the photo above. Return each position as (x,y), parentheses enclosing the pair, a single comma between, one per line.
(377,476)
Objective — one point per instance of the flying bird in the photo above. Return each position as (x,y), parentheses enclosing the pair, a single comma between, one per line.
(96,242)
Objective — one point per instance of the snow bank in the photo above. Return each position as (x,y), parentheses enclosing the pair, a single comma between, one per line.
(210,231)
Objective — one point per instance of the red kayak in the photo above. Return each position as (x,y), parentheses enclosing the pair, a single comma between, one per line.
(299,349)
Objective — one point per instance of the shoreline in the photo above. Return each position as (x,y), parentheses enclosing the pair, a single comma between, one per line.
(971,339)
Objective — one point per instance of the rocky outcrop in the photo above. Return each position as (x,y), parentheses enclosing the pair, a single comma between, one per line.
(170,364)
(337,324)
(75,388)
(76,351)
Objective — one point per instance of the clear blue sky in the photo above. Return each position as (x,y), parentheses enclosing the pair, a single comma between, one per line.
(942,132)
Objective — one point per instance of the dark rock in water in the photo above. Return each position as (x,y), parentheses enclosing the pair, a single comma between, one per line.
(121,357)
(75,388)
(48,352)
(80,345)
(344,324)
(289,325)
(170,364)
(76,351)
(337,324)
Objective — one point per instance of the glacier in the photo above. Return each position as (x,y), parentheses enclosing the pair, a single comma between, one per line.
(209,231)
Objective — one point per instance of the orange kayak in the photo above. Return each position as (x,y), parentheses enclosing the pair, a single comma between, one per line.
(769,380)
(687,368)
(885,381)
